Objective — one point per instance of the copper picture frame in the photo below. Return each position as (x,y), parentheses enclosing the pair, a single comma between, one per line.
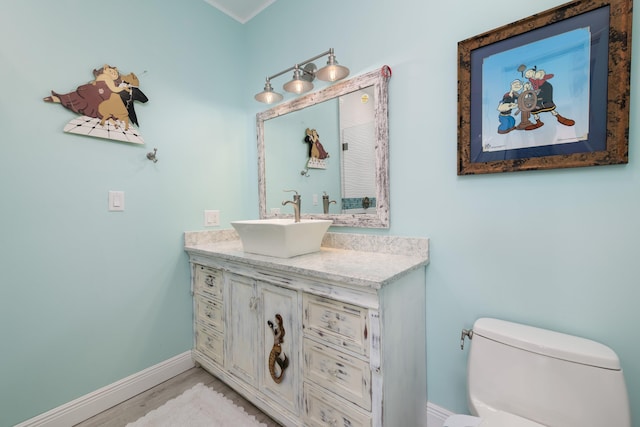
(548,91)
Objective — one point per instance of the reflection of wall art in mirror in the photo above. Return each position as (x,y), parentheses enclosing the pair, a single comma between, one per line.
(351,120)
(317,153)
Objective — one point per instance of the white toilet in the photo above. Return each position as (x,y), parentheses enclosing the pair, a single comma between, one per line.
(521,376)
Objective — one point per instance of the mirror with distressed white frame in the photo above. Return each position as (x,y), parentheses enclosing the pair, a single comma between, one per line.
(358,187)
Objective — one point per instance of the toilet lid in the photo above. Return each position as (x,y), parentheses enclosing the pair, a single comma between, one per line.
(504,419)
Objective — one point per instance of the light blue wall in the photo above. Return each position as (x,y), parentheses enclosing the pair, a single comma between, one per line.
(554,248)
(88,297)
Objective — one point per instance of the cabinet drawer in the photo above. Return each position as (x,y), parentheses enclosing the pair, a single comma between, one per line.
(338,323)
(208,281)
(210,313)
(210,343)
(338,372)
(321,409)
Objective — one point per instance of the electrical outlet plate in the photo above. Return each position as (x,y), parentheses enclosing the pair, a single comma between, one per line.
(211,218)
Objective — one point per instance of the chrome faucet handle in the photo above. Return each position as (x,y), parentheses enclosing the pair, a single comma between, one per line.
(326,202)
(296,197)
(296,204)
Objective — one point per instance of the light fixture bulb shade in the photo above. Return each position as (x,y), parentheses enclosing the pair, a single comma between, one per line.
(297,85)
(268,96)
(332,72)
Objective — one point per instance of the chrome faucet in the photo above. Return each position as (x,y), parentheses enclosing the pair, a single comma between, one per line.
(296,205)
(326,202)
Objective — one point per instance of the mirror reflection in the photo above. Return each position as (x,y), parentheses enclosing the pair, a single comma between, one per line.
(331,147)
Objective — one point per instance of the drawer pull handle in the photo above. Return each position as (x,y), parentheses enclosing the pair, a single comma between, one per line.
(209,281)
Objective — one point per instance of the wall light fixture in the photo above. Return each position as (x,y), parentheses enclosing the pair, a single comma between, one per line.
(303,74)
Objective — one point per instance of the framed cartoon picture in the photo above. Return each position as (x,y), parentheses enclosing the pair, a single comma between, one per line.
(548,91)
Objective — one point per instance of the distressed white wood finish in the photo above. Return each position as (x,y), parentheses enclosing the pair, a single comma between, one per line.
(379,80)
(210,342)
(208,282)
(344,374)
(243,334)
(323,409)
(360,331)
(283,301)
(340,324)
(208,311)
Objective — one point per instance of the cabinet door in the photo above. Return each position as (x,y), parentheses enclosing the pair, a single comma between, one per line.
(242,331)
(281,345)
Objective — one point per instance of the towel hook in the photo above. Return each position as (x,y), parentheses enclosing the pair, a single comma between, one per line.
(152,155)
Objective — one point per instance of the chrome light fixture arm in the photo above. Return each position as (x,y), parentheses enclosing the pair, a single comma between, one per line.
(297,65)
(303,76)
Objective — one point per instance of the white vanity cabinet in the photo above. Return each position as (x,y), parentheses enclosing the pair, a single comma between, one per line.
(354,331)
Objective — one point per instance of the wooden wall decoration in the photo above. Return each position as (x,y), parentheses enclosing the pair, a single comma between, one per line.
(105,106)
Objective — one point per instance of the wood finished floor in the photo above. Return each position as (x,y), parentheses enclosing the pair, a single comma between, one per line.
(138,406)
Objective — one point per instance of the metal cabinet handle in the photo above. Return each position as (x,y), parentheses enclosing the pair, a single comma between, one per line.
(333,372)
(209,281)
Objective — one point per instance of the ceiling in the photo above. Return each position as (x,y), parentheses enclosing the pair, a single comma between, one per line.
(241,10)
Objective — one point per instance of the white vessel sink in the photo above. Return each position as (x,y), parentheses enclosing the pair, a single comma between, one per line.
(281,237)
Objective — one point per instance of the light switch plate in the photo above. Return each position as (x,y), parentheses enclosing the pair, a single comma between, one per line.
(116,201)
(211,218)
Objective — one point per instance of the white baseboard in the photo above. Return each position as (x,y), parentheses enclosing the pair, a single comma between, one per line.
(436,415)
(102,399)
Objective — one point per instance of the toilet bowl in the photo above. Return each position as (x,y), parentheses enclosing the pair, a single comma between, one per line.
(522,376)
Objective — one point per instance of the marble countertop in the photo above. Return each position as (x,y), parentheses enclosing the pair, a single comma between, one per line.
(355,259)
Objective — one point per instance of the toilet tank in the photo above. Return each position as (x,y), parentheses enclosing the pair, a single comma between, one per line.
(548,377)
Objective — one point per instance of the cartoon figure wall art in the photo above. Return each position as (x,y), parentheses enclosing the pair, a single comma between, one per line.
(105,106)
(317,153)
(537,94)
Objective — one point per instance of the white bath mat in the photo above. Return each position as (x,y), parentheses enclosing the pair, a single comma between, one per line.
(198,407)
